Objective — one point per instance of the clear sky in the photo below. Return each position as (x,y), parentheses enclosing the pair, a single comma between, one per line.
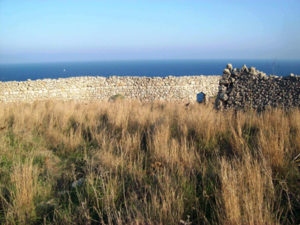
(89,30)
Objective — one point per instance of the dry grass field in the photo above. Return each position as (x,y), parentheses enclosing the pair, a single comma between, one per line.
(127,162)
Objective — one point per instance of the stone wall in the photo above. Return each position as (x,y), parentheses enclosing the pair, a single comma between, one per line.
(170,88)
(250,88)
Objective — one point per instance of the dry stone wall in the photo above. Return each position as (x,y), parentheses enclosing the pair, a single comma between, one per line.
(170,88)
(250,88)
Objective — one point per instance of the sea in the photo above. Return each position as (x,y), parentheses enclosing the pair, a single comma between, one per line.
(148,68)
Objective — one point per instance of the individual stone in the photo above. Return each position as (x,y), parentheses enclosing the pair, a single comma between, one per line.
(229,66)
(227,71)
(224,81)
(234,73)
(223,96)
(252,70)
(222,88)
(244,69)
(262,75)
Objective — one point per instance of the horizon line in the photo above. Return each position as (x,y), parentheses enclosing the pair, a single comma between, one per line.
(135,60)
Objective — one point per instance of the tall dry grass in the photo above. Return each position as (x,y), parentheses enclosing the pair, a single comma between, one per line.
(247,192)
(128,162)
(24,180)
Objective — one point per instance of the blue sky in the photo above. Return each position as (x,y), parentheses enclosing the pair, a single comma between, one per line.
(88,30)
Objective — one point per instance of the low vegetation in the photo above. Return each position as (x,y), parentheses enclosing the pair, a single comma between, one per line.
(147,163)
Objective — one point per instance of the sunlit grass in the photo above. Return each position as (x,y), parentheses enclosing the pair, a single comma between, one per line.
(127,162)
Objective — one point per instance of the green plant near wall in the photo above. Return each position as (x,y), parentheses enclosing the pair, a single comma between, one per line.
(116,97)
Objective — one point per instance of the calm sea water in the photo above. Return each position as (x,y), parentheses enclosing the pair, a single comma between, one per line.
(21,72)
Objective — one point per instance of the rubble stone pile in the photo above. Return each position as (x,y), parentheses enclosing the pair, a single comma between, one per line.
(250,88)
